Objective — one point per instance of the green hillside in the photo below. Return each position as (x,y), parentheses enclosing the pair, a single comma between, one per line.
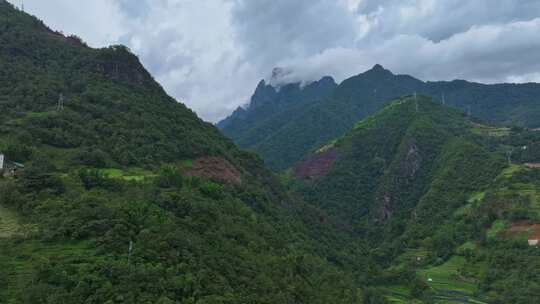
(284,137)
(432,192)
(113,192)
(126,196)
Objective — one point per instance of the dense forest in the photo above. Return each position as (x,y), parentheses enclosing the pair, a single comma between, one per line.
(303,123)
(126,196)
(114,192)
(439,197)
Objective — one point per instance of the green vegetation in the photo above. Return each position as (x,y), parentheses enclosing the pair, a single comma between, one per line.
(436,201)
(103,175)
(9,224)
(478,196)
(497,227)
(284,132)
(485,130)
(132,174)
(106,209)
(447,276)
(510,170)
(20,261)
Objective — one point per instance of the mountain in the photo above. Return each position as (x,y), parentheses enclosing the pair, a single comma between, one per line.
(113,192)
(270,104)
(120,194)
(433,193)
(291,133)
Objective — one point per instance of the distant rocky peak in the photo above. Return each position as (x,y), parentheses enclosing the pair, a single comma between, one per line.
(378,69)
(263,93)
(326,80)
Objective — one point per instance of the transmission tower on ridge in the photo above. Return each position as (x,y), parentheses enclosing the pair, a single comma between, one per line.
(509,156)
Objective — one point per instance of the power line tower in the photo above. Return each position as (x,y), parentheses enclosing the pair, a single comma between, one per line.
(22,5)
(60,104)
(509,156)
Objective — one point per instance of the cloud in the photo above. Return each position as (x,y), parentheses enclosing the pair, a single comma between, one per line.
(210,54)
(438,20)
(489,53)
(96,21)
(191,49)
(270,30)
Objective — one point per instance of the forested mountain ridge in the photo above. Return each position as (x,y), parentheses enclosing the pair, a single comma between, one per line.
(431,189)
(287,140)
(116,193)
(123,195)
(268,103)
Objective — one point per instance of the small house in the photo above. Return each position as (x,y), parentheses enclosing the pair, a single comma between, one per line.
(7,168)
(534,238)
(532,165)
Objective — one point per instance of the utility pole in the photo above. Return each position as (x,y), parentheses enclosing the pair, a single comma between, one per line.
(60,104)
(509,156)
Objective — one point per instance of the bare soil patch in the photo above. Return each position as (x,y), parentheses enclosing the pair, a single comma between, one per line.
(317,165)
(213,167)
(532,229)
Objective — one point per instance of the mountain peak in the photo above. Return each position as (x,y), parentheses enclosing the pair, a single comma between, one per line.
(261,84)
(378,67)
(327,79)
(379,70)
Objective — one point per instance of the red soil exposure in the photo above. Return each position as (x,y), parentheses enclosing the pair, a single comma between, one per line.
(532,165)
(215,168)
(525,226)
(317,165)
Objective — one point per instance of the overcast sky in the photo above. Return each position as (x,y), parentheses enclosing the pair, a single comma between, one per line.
(210,54)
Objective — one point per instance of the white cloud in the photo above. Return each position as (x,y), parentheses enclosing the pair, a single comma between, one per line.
(96,21)
(210,54)
(489,53)
(191,49)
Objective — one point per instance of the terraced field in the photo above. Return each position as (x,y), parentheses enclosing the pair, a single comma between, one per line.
(445,281)
(486,130)
(19,259)
(9,225)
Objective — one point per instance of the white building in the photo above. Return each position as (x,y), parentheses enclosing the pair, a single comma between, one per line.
(533,242)
(1,161)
